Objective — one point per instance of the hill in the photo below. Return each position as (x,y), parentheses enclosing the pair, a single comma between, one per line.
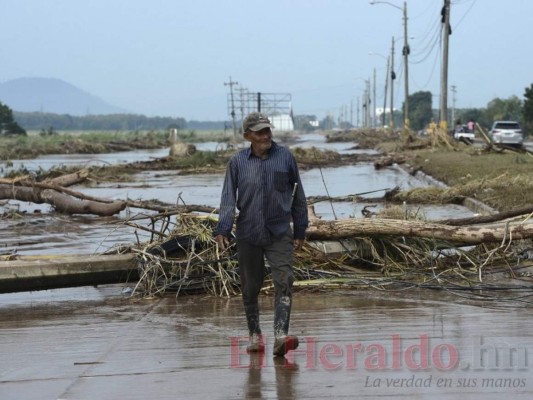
(52,95)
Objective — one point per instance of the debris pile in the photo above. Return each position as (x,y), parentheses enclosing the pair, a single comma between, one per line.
(188,260)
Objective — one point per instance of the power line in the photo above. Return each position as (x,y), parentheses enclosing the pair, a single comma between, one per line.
(428,48)
(473,2)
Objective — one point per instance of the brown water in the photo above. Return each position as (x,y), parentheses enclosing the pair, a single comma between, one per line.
(40,231)
(49,233)
(94,343)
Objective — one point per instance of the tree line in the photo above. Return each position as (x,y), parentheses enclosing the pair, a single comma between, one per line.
(111,122)
(513,108)
(421,113)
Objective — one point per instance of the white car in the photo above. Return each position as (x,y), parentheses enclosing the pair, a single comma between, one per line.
(464,134)
(507,132)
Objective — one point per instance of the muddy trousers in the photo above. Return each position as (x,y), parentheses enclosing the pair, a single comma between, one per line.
(252,273)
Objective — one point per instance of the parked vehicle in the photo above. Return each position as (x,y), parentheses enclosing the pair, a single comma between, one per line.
(464,134)
(507,132)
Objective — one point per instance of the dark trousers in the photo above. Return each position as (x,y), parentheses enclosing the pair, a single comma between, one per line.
(252,272)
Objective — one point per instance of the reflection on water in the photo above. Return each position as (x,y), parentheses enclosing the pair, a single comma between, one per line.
(38,232)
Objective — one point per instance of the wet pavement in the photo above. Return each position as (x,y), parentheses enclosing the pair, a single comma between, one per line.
(96,343)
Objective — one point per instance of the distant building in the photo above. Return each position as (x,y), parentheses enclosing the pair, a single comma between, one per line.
(379,110)
(282,122)
(278,107)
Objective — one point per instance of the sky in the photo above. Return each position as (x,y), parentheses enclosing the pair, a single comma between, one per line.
(172,57)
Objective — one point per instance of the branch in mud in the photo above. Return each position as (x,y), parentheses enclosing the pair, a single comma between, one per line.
(70,179)
(168,209)
(483,219)
(350,197)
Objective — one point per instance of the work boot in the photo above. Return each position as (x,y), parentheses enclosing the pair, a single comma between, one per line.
(282,315)
(284,344)
(256,344)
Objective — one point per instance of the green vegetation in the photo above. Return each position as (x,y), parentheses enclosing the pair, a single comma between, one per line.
(31,146)
(189,136)
(420,113)
(50,141)
(200,159)
(527,111)
(8,126)
(497,109)
(111,122)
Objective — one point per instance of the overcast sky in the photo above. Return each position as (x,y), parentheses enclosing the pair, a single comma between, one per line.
(172,57)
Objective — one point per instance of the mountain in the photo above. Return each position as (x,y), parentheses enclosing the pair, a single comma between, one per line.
(52,95)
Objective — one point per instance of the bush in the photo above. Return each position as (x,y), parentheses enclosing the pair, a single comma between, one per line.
(8,126)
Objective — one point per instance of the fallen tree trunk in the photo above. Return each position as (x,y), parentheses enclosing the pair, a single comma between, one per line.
(467,235)
(64,200)
(63,180)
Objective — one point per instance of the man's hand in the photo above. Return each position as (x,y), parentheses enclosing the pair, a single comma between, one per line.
(298,243)
(222,242)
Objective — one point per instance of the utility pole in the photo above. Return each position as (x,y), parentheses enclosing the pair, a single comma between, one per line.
(351,113)
(454,91)
(367,103)
(375,103)
(230,84)
(241,91)
(345,113)
(363,110)
(385,94)
(357,111)
(405,53)
(392,78)
(444,77)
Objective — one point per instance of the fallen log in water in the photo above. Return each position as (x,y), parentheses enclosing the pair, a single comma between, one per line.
(55,193)
(62,202)
(475,234)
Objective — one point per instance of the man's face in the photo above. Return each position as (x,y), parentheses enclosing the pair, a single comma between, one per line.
(261,140)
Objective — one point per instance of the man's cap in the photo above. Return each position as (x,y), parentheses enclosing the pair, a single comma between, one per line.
(255,122)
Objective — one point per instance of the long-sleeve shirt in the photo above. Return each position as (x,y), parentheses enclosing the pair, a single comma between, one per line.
(262,191)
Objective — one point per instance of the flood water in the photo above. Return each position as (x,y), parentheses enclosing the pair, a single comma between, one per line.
(40,232)
(98,343)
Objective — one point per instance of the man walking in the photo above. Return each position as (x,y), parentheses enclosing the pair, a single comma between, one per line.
(263,183)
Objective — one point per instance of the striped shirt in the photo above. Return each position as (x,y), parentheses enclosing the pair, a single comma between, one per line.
(261,189)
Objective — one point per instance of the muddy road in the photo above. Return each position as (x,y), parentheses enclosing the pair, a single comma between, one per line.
(95,343)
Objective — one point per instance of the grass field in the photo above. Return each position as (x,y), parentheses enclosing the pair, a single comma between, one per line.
(95,142)
(501,180)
